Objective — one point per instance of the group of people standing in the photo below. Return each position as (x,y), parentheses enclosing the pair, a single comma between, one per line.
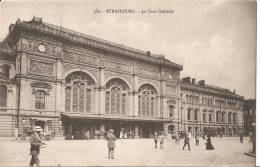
(187,138)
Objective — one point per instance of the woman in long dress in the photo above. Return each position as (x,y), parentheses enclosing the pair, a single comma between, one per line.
(209,145)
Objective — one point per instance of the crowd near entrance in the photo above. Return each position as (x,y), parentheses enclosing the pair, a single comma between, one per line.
(98,129)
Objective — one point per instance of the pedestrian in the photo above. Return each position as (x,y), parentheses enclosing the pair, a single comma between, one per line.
(177,138)
(87,135)
(111,144)
(220,135)
(208,144)
(155,139)
(197,140)
(241,138)
(161,139)
(186,142)
(35,142)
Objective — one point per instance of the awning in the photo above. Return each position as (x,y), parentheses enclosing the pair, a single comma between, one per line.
(111,117)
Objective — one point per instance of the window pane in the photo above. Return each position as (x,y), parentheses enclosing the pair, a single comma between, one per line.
(88,101)
(107,102)
(123,104)
(75,97)
(67,98)
(81,99)
(40,99)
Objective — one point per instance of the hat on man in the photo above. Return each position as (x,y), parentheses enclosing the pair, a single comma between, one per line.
(111,130)
(37,129)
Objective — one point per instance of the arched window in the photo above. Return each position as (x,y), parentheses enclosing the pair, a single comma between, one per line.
(40,99)
(210,116)
(217,116)
(78,92)
(223,116)
(171,111)
(196,115)
(204,116)
(229,117)
(117,97)
(3,95)
(234,118)
(147,101)
(189,114)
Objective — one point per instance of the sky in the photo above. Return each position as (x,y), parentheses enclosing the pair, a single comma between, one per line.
(215,41)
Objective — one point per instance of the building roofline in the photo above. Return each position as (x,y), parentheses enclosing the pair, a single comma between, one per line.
(38,25)
(210,89)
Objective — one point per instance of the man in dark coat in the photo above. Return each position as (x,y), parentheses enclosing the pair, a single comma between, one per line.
(111,144)
(186,142)
(35,142)
(155,139)
(241,138)
(208,144)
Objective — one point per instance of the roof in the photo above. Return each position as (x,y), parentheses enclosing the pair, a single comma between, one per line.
(65,33)
(210,89)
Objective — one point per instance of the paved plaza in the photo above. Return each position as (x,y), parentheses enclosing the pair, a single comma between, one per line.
(130,152)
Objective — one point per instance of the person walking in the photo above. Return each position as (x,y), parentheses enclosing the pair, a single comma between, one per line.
(197,140)
(111,138)
(35,142)
(186,142)
(177,138)
(209,146)
(155,139)
(87,135)
(241,138)
(161,139)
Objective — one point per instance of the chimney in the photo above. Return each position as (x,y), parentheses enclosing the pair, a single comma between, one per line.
(202,82)
(193,80)
(186,80)
(234,91)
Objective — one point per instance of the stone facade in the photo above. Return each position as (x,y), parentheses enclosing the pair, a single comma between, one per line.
(70,83)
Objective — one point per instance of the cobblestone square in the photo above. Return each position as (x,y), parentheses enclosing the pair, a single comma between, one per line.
(130,152)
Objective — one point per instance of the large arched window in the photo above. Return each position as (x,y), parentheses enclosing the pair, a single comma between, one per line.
(3,95)
(40,96)
(117,97)
(78,92)
(147,101)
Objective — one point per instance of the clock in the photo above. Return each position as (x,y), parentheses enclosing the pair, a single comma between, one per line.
(42,48)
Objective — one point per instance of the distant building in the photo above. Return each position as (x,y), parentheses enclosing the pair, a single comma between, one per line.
(249,116)
(69,83)
(210,109)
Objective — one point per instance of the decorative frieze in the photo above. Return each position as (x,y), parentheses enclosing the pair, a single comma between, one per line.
(81,58)
(147,72)
(41,67)
(171,89)
(118,66)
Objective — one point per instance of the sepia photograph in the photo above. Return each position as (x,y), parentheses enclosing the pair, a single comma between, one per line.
(128,83)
